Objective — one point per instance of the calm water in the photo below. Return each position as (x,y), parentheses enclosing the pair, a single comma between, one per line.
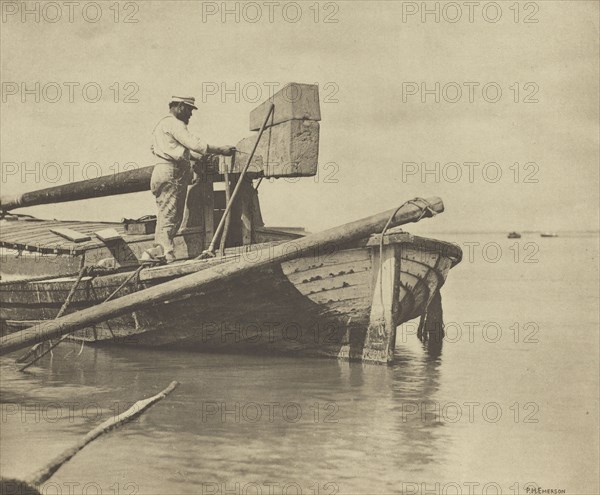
(512,398)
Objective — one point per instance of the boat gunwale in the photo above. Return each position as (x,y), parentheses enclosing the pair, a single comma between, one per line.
(444,248)
(186,267)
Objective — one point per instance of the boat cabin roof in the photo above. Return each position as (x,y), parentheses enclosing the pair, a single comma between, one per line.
(35,235)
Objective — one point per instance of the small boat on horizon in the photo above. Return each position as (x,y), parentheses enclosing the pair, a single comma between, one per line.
(514,235)
(548,234)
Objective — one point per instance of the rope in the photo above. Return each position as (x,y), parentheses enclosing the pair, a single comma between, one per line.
(84,270)
(92,289)
(81,348)
(134,274)
(7,213)
(426,208)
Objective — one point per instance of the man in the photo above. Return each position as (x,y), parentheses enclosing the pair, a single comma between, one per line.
(174,145)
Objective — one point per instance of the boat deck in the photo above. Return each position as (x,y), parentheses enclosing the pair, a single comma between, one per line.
(35,235)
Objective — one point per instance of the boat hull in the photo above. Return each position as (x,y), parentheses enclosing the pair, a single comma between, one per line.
(323,304)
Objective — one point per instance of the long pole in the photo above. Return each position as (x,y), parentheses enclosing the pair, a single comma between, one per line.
(411,211)
(107,185)
(228,219)
(138,408)
(211,248)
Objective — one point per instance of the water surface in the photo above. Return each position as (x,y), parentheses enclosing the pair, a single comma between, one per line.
(510,398)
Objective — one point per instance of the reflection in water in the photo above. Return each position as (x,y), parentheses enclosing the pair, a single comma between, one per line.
(365,428)
(415,387)
(300,420)
(431,327)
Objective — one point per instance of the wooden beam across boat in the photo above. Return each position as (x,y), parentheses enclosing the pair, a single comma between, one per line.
(109,185)
(411,211)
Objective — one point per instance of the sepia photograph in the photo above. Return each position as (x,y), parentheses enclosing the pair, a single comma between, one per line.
(307,247)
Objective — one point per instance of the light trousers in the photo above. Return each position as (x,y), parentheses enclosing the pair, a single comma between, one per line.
(169,184)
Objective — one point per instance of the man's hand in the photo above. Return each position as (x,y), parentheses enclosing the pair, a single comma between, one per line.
(222,150)
(227,150)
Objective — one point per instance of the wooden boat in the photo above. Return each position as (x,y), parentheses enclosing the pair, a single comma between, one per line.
(320,304)
(548,234)
(514,235)
(341,300)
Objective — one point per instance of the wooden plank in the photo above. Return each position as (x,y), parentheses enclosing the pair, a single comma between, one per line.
(208,211)
(247,216)
(293,101)
(193,215)
(108,235)
(355,293)
(70,234)
(381,334)
(234,236)
(225,233)
(329,271)
(290,149)
(220,200)
(41,234)
(420,244)
(317,284)
(326,257)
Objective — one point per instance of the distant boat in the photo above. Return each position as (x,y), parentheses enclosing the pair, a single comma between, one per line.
(548,234)
(514,235)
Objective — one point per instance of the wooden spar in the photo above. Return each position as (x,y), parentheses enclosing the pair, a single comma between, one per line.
(108,185)
(411,211)
(138,408)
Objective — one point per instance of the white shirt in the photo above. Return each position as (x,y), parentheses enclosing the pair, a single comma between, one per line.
(171,140)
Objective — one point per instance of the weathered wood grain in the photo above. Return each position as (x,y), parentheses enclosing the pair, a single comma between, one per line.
(293,101)
(70,234)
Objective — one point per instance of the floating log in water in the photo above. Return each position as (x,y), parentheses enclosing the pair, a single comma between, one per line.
(44,474)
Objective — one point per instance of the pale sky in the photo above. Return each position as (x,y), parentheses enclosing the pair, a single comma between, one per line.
(369,135)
